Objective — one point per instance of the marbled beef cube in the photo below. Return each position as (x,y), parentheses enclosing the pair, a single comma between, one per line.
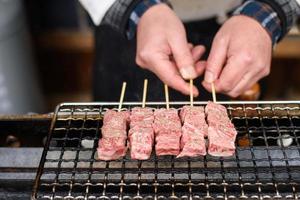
(111,148)
(168,143)
(112,145)
(141,143)
(221,131)
(141,117)
(167,129)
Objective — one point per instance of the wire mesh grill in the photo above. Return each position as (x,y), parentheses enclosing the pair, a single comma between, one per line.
(266,164)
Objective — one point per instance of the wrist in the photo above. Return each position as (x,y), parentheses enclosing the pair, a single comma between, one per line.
(263,14)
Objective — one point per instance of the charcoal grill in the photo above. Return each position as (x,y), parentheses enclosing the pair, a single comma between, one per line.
(262,167)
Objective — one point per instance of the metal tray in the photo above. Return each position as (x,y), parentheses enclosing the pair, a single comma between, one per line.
(262,167)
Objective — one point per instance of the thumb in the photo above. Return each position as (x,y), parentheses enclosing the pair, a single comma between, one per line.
(216,59)
(168,73)
(183,56)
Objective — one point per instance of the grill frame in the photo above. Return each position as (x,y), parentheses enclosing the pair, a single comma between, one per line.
(172,183)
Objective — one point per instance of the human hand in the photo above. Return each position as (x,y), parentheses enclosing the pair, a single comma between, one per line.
(162,48)
(240,56)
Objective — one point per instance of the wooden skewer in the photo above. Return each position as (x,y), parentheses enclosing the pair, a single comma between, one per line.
(191,92)
(213,90)
(122,96)
(145,92)
(167,97)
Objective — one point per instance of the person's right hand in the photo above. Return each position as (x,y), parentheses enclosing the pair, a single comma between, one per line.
(162,48)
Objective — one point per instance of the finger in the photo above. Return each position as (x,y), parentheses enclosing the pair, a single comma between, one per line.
(207,86)
(168,73)
(232,74)
(243,84)
(176,82)
(197,52)
(246,83)
(200,67)
(216,59)
(195,55)
(183,56)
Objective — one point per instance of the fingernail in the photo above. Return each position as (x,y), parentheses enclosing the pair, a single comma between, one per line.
(209,77)
(188,72)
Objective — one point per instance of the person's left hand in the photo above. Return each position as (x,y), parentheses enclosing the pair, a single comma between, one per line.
(240,56)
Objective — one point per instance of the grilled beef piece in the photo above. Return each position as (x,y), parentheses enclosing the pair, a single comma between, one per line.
(112,145)
(221,132)
(193,131)
(141,135)
(142,117)
(167,129)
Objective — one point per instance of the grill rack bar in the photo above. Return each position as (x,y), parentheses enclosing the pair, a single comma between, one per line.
(263,123)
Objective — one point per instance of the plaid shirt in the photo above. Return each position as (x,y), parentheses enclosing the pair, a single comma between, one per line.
(276,16)
(265,15)
(137,14)
(118,14)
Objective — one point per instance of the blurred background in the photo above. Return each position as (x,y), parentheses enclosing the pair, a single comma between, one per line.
(47,50)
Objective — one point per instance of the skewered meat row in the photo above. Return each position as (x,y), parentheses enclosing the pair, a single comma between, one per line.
(167,129)
(194,130)
(221,131)
(170,137)
(112,145)
(141,135)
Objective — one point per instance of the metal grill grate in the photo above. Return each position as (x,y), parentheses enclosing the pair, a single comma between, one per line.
(262,168)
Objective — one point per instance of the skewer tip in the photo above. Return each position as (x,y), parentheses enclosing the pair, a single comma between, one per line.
(167,96)
(122,96)
(213,90)
(191,92)
(145,93)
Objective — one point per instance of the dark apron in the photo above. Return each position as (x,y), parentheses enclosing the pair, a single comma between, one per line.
(115,63)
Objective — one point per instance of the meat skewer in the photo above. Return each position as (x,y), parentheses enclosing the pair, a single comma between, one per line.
(221,131)
(141,134)
(194,129)
(167,129)
(112,145)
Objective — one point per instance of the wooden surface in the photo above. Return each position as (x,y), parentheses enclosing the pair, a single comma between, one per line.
(67,41)
(288,48)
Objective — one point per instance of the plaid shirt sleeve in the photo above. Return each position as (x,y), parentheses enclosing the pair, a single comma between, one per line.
(265,15)
(276,16)
(119,13)
(137,13)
